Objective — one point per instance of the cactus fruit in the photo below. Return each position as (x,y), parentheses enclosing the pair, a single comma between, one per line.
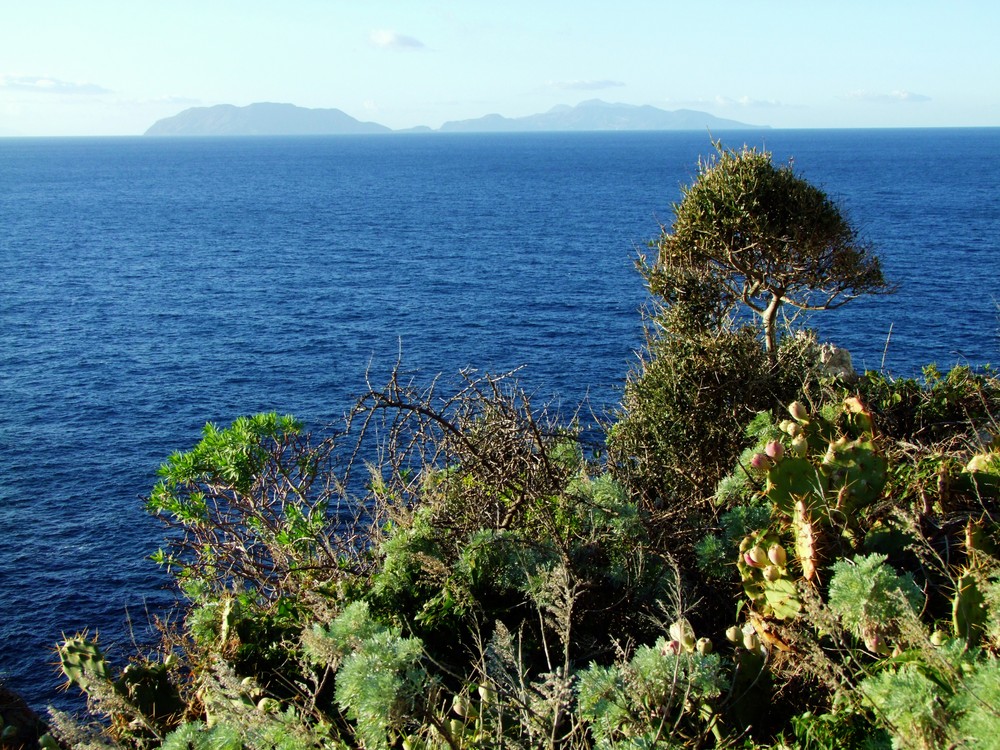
(460,705)
(755,556)
(790,428)
(798,411)
(82,662)
(776,554)
(703,646)
(487,695)
(734,634)
(774,450)
(766,579)
(671,647)
(682,632)
(799,446)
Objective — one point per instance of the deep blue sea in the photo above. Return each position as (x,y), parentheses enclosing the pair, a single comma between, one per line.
(148,286)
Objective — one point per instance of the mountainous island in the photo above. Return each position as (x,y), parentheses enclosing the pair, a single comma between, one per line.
(268,118)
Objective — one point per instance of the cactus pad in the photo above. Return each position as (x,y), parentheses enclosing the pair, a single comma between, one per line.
(792,479)
(82,661)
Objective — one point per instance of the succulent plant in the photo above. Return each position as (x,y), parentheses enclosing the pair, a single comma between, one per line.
(147,686)
(766,578)
(968,608)
(82,661)
(792,479)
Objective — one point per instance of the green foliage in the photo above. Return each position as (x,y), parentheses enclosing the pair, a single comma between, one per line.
(716,552)
(497,585)
(763,236)
(381,682)
(660,694)
(911,705)
(962,401)
(252,506)
(196,736)
(684,413)
(977,706)
(840,730)
(871,599)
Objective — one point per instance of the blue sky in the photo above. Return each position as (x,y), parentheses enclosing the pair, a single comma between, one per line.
(113,67)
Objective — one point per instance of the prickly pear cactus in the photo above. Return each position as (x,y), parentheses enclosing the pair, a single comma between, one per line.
(968,608)
(982,472)
(805,539)
(794,479)
(855,472)
(148,688)
(82,662)
(767,581)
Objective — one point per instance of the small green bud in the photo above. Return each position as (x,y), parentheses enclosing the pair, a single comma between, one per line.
(703,646)
(771,573)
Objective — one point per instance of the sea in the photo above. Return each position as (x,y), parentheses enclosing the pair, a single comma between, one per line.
(148,286)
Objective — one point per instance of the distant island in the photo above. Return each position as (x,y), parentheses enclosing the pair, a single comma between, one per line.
(264,118)
(267,118)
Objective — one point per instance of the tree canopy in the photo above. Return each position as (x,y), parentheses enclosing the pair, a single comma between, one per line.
(767,237)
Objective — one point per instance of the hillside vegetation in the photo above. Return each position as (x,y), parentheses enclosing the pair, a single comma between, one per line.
(767,550)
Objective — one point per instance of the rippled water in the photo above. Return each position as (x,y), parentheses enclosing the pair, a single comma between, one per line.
(148,286)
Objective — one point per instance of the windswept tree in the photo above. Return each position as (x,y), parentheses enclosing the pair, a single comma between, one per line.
(767,238)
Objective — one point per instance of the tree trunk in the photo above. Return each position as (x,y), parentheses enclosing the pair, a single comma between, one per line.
(770,316)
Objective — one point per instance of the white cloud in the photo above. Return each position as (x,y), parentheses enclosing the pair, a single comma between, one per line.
(47,85)
(387,39)
(893,97)
(745,101)
(586,85)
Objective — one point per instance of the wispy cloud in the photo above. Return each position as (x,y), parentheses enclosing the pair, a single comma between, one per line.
(47,85)
(586,85)
(893,97)
(745,101)
(387,39)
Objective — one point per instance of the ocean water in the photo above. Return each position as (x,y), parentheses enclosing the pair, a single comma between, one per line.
(149,286)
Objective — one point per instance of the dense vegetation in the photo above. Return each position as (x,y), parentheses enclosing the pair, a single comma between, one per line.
(767,551)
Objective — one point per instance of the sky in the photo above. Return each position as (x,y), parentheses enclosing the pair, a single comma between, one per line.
(114,67)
